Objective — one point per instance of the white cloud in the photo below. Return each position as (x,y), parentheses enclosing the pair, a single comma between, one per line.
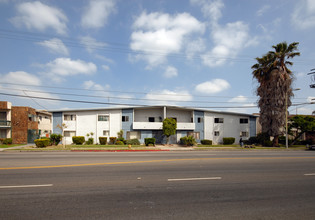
(159,34)
(262,10)
(239,99)
(21,77)
(55,45)
(168,97)
(229,41)
(210,8)
(105,67)
(62,67)
(213,86)
(303,16)
(36,15)
(91,44)
(23,80)
(97,13)
(195,47)
(170,72)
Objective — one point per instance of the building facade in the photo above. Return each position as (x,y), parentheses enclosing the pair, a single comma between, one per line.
(147,122)
(5,119)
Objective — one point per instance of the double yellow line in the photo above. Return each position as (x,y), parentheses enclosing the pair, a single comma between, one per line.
(151,161)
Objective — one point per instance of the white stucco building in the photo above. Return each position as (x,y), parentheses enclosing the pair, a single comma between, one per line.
(144,122)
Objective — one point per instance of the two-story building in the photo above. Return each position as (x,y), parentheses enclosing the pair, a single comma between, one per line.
(145,122)
(5,119)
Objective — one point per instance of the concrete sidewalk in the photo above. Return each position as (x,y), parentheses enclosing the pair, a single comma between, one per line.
(17,147)
(174,147)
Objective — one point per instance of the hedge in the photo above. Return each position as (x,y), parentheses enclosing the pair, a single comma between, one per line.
(228,140)
(206,142)
(133,142)
(148,141)
(55,139)
(112,140)
(6,141)
(40,143)
(119,143)
(78,140)
(188,140)
(103,140)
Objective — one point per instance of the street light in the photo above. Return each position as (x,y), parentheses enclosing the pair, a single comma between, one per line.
(286,118)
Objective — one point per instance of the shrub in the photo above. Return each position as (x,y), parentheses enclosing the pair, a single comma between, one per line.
(188,140)
(1,140)
(55,139)
(40,143)
(133,142)
(228,140)
(78,140)
(7,141)
(119,143)
(267,143)
(206,142)
(112,140)
(122,140)
(103,140)
(148,141)
(90,141)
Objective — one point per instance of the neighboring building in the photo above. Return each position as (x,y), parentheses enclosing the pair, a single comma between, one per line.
(23,124)
(5,119)
(44,123)
(145,122)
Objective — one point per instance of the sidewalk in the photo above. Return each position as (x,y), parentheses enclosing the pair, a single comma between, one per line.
(17,147)
(176,147)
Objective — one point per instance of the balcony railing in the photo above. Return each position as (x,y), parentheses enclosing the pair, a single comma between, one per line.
(4,123)
(159,126)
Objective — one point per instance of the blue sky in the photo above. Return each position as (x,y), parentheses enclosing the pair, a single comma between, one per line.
(195,53)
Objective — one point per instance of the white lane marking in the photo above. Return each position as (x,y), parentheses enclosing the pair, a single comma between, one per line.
(192,179)
(309,174)
(25,186)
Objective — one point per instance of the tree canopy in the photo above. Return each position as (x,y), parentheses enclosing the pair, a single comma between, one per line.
(274,89)
(301,124)
(169,127)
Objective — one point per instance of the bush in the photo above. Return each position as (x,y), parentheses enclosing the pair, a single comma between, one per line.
(148,141)
(55,139)
(119,143)
(133,142)
(78,140)
(228,140)
(188,140)
(122,140)
(40,143)
(112,140)
(7,141)
(206,142)
(90,141)
(103,140)
(267,143)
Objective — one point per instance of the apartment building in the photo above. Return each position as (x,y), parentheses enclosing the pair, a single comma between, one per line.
(146,122)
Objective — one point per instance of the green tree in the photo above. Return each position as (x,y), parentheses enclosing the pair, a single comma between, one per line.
(301,124)
(274,89)
(169,128)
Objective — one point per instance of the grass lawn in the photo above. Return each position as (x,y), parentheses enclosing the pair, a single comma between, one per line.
(9,145)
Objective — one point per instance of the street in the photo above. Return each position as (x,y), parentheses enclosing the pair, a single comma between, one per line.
(158,185)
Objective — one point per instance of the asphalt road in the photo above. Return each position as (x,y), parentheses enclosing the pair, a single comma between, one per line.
(158,185)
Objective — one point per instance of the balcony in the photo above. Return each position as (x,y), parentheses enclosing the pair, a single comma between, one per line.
(159,126)
(5,124)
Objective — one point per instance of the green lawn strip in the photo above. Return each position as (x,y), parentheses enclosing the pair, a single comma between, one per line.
(10,145)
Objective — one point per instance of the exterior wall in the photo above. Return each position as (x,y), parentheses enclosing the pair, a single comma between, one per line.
(199,125)
(87,122)
(126,126)
(253,127)
(5,119)
(142,115)
(24,125)
(44,124)
(231,127)
(182,116)
(57,121)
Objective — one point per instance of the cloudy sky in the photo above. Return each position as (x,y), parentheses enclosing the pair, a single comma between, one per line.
(194,53)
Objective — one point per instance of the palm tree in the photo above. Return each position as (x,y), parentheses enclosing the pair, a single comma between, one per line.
(274,88)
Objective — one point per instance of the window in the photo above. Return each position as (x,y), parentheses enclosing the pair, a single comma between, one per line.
(199,120)
(133,135)
(125,118)
(151,119)
(103,118)
(218,120)
(69,133)
(216,133)
(244,120)
(244,134)
(196,135)
(105,133)
(69,117)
